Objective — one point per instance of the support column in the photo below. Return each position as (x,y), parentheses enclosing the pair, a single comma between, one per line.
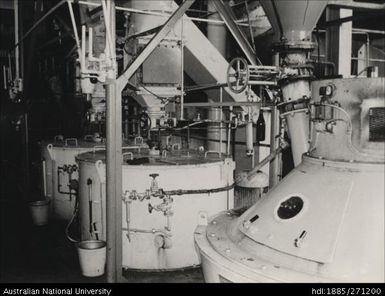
(339,41)
(114,169)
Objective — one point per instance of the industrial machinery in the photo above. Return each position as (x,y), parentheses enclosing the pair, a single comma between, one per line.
(165,197)
(155,198)
(60,173)
(325,221)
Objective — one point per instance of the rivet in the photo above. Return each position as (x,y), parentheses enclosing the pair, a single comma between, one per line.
(215,222)
(228,251)
(212,235)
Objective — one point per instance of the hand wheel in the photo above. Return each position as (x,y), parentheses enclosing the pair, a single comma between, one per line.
(238,75)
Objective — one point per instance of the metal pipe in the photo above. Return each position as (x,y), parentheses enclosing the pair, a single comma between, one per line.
(228,18)
(356,4)
(44,179)
(220,119)
(114,169)
(74,25)
(16,13)
(359,30)
(40,21)
(371,60)
(154,13)
(109,45)
(261,164)
(182,73)
(274,144)
(26,146)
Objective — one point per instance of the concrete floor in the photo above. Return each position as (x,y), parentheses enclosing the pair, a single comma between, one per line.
(42,254)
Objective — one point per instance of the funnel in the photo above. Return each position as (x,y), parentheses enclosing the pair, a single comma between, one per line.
(293,20)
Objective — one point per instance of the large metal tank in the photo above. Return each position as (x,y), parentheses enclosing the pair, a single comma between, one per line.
(60,171)
(164,197)
(325,221)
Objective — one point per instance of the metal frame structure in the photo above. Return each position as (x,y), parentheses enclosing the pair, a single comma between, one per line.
(114,140)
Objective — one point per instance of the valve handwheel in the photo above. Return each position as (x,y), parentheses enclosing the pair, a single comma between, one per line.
(238,75)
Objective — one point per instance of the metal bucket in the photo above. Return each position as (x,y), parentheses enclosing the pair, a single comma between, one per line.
(39,212)
(92,257)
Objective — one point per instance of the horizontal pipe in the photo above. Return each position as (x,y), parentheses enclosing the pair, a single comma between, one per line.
(133,10)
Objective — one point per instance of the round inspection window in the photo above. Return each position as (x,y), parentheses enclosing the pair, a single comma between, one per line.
(290,207)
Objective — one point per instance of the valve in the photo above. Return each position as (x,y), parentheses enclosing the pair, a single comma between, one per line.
(154,183)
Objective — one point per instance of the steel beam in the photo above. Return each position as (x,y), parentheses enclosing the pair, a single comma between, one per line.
(241,39)
(149,48)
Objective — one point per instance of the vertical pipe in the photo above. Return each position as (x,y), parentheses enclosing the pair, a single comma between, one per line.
(221,119)
(217,35)
(182,72)
(21,45)
(114,168)
(16,13)
(275,164)
(26,147)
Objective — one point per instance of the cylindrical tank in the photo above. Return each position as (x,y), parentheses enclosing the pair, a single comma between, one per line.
(165,197)
(60,171)
(324,222)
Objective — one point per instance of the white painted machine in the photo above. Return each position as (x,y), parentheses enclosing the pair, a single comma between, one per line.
(165,197)
(61,174)
(325,221)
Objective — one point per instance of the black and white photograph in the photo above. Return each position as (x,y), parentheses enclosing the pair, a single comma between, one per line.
(200,142)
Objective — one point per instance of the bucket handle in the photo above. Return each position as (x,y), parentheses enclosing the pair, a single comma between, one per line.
(212,152)
(128,153)
(88,137)
(98,148)
(175,145)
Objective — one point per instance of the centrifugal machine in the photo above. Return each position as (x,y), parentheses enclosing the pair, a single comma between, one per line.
(325,221)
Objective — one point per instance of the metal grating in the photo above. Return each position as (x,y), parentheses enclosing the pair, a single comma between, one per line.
(377,124)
